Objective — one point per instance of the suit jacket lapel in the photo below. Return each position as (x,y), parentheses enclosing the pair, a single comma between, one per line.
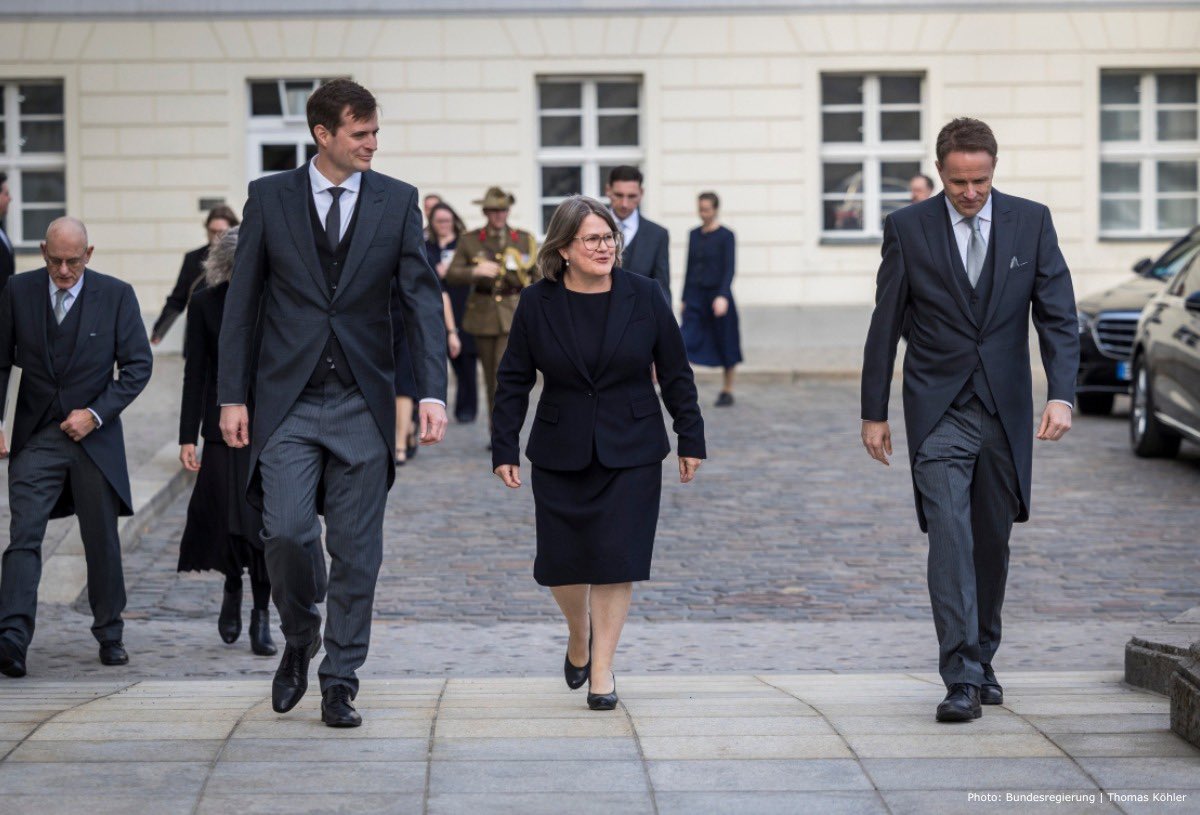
(295,198)
(93,309)
(619,312)
(1004,232)
(937,235)
(39,322)
(559,317)
(371,205)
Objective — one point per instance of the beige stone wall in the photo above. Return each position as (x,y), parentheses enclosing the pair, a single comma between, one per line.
(156,115)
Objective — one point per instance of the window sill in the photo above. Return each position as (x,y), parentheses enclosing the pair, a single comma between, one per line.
(1141,238)
(851,240)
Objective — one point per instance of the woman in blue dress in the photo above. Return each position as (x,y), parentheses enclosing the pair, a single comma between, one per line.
(710,320)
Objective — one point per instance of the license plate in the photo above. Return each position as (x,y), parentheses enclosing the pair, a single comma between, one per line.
(1123,373)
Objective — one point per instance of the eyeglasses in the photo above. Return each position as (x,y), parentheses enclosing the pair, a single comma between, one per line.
(592,242)
(72,263)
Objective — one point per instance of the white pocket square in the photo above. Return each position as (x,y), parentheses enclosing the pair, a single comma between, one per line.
(1015,264)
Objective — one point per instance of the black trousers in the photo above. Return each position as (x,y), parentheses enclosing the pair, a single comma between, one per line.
(36,478)
(466,395)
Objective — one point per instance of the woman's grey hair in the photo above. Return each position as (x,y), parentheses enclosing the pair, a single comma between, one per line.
(564,223)
(218,266)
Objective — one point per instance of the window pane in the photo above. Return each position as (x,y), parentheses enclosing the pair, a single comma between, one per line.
(1120,176)
(561,95)
(35,221)
(841,127)
(904,126)
(1179,213)
(41,137)
(558,182)
(895,89)
(264,99)
(278,157)
(841,90)
(562,131)
(1119,125)
(44,187)
(310,150)
(296,94)
(618,130)
(45,99)
(617,94)
(843,177)
(1177,88)
(896,175)
(1120,89)
(886,208)
(844,215)
(1177,176)
(605,170)
(1176,125)
(1124,215)
(547,213)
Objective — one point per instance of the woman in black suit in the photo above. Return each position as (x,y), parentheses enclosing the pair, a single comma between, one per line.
(598,439)
(222,528)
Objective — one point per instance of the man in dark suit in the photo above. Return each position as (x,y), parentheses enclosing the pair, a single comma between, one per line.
(646,243)
(8,256)
(191,274)
(318,251)
(964,268)
(66,326)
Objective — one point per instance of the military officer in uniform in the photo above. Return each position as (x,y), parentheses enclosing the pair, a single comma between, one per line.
(498,261)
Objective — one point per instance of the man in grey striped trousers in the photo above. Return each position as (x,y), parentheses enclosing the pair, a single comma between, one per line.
(961,273)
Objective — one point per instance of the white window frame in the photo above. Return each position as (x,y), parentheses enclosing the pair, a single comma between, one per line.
(871,152)
(289,128)
(15,163)
(1147,151)
(589,155)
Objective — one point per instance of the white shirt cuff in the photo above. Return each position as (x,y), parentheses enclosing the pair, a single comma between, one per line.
(1063,402)
(96,416)
(433,400)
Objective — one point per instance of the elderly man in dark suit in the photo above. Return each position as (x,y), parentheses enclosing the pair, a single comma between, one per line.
(646,243)
(963,269)
(318,252)
(66,327)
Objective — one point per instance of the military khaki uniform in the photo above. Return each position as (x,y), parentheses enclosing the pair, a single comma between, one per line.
(491,303)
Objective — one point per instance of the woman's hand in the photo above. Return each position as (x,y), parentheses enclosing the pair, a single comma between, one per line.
(720,306)
(687,469)
(453,345)
(187,457)
(442,268)
(510,474)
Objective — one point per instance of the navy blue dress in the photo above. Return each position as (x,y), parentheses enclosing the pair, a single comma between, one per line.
(710,264)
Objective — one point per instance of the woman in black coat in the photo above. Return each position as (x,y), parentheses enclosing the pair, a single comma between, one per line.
(598,440)
(222,528)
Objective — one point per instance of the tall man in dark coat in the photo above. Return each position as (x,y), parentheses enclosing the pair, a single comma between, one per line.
(646,243)
(318,251)
(964,268)
(66,327)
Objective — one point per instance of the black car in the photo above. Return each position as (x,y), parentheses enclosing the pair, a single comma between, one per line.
(1108,322)
(1166,367)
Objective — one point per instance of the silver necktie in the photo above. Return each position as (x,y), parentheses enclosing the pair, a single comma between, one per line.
(975,251)
(60,305)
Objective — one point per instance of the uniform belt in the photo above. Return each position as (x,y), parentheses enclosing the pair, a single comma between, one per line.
(503,291)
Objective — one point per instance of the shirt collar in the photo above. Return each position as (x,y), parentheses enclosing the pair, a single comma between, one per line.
(633,220)
(320,183)
(957,217)
(74,290)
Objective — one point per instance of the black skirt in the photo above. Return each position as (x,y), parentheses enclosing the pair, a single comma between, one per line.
(222,528)
(595,525)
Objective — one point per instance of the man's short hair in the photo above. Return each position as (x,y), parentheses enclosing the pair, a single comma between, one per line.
(710,197)
(928,181)
(965,135)
(327,102)
(625,172)
(222,212)
(3,177)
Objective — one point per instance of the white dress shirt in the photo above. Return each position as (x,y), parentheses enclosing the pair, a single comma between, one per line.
(4,239)
(68,301)
(629,226)
(323,199)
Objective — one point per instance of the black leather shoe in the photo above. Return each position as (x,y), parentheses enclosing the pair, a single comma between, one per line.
(113,653)
(291,677)
(960,705)
(336,710)
(603,701)
(12,661)
(260,633)
(229,622)
(577,676)
(725,399)
(990,692)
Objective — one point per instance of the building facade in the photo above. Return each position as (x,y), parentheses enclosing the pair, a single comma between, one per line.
(807,120)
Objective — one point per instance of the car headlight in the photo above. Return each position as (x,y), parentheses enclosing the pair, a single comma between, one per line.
(1085,322)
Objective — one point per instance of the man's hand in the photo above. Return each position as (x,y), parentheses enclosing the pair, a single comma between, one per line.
(1056,421)
(510,474)
(687,469)
(453,345)
(3,445)
(487,270)
(155,340)
(877,438)
(235,425)
(720,306)
(433,423)
(187,457)
(78,424)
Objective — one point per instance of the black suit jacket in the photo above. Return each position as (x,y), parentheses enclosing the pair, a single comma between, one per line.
(111,333)
(8,263)
(616,412)
(647,254)
(190,280)
(916,284)
(200,410)
(277,274)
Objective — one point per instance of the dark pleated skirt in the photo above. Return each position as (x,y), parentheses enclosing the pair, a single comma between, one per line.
(709,340)
(595,525)
(222,528)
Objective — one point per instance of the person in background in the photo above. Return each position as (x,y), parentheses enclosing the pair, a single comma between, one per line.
(646,243)
(222,528)
(427,204)
(191,273)
(920,187)
(8,253)
(710,319)
(445,228)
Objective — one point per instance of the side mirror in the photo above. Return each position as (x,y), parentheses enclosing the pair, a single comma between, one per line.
(1192,303)
(1143,266)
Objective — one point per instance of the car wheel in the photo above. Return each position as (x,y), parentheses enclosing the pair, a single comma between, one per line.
(1095,404)
(1150,437)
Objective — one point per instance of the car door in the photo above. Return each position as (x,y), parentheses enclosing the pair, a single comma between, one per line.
(1187,335)
(1175,350)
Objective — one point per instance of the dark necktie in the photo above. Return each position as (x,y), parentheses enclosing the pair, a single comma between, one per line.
(333,221)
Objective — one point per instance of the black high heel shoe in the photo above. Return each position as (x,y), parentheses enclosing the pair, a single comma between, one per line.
(603,701)
(229,621)
(577,676)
